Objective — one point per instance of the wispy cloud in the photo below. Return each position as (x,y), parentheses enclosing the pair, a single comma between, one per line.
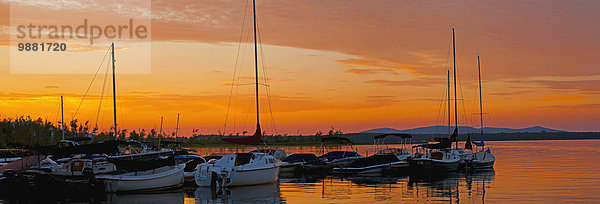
(378,63)
(362,71)
(560,98)
(564,83)
(511,93)
(382,99)
(592,106)
(421,81)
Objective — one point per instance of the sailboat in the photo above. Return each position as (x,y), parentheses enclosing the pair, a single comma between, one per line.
(241,169)
(484,158)
(144,171)
(464,156)
(441,156)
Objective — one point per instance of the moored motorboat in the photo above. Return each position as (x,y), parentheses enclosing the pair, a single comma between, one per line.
(391,160)
(238,169)
(145,171)
(301,162)
(388,160)
(338,158)
(155,179)
(372,164)
(78,164)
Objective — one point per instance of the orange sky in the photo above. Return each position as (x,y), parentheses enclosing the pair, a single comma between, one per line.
(354,65)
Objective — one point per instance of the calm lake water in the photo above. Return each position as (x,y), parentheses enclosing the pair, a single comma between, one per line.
(525,172)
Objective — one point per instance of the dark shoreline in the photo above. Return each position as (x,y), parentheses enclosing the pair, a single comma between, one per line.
(368,138)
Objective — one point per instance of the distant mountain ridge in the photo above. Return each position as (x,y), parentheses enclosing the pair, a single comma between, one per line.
(461,129)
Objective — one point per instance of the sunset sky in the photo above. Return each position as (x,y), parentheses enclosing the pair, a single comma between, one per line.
(353,65)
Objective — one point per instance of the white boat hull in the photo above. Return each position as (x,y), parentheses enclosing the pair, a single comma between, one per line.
(261,169)
(254,177)
(241,178)
(146,180)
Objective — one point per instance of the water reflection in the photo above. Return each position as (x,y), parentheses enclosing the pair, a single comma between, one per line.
(453,187)
(267,193)
(447,188)
(374,180)
(174,197)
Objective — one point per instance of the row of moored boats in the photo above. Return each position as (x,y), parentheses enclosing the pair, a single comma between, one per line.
(121,166)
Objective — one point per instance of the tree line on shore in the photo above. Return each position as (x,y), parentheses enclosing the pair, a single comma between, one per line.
(26,131)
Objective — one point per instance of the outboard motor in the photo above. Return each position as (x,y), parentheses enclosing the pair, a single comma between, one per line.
(213,180)
(89,174)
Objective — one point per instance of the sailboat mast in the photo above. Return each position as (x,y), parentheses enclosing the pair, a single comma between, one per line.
(177,128)
(114,90)
(160,131)
(255,62)
(449,100)
(480,100)
(62,118)
(455,105)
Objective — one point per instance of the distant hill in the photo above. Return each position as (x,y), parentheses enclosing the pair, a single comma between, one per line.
(461,129)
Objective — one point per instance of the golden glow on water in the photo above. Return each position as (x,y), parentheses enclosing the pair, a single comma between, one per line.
(525,172)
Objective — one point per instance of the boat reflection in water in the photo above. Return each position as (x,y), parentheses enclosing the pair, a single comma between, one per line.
(265,193)
(173,197)
(452,187)
(375,179)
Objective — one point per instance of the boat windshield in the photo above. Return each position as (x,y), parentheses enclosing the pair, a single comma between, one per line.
(46,163)
(393,151)
(437,155)
(242,158)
